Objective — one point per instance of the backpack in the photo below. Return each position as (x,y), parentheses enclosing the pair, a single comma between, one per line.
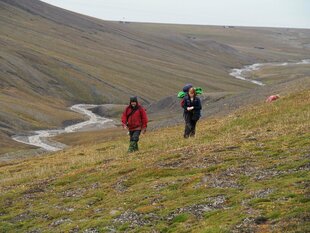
(183,93)
(187,87)
(182,103)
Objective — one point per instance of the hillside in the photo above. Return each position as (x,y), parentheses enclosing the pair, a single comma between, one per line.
(52,58)
(246,172)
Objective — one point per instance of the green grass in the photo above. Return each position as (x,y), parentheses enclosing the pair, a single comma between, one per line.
(165,186)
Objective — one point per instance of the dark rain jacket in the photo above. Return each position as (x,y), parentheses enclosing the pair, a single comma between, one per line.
(196,112)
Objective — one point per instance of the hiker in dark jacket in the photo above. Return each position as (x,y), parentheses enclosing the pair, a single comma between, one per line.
(192,112)
(134,119)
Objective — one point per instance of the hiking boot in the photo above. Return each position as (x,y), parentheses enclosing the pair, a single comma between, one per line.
(131,147)
(135,146)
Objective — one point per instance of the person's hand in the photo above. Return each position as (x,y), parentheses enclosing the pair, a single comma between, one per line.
(143,131)
(190,108)
(125,127)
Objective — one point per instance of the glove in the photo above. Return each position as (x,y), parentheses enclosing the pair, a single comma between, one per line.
(190,108)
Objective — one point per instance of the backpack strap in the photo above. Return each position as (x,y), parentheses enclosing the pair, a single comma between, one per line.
(131,113)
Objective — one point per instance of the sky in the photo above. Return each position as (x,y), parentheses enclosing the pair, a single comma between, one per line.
(260,13)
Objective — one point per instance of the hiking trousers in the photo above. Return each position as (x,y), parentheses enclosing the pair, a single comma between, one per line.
(190,126)
(133,142)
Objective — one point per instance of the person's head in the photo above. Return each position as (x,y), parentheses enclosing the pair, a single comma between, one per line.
(133,101)
(192,92)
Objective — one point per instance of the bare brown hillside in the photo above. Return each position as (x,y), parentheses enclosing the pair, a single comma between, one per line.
(52,58)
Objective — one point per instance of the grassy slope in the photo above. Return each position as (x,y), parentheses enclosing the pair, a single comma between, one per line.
(247,172)
(7,145)
(274,75)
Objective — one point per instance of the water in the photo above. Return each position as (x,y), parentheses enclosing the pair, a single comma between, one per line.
(39,138)
(239,73)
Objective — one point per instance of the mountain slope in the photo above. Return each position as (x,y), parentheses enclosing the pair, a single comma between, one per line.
(52,58)
(246,172)
(58,54)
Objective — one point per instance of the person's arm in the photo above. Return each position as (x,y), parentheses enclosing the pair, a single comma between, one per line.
(144,119)
(185,106)
(198,107)
(124,118)
(184,103)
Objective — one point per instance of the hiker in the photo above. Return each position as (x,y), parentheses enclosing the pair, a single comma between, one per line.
(134,119)
(272,98)
(192,112)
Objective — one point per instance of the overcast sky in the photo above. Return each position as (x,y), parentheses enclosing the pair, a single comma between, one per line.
(270,13)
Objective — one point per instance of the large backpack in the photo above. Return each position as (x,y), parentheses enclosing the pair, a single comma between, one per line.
(187,87)
(183,93)
(182,103)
